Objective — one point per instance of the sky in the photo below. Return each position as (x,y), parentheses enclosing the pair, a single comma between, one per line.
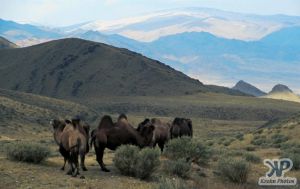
(69,12)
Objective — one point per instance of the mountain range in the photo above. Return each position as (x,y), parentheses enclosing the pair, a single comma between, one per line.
(216,47)
(78,68)
(152,26)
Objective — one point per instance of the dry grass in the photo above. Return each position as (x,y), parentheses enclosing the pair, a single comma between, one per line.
(27,120)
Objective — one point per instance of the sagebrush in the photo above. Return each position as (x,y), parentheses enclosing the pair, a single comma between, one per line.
(27,152)
(132,161)
(235,170)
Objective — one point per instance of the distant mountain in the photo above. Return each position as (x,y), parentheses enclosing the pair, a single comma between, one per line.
(279,88)
(114,40)
(4,43)
(21,33)
(248,89)
(84,69)
(202,43)
(225,24)
(282,92)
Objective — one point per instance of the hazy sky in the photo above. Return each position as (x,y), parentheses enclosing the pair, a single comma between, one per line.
(68,12)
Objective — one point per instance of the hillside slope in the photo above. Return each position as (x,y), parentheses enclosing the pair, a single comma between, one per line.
(19,110)
(4,43)
(78,68)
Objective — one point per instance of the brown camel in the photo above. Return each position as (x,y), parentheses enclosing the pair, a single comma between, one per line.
(110,135)
(64,134)
(161,133)
(181,127)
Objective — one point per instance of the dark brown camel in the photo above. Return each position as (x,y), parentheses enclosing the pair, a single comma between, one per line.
(181,127)
(161,134)
(64,132)
(110,135)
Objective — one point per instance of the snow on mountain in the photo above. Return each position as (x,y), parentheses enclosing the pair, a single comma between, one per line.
(230,25)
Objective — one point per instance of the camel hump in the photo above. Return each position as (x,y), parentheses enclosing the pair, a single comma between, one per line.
(155,121)
(106,122)
(122,116)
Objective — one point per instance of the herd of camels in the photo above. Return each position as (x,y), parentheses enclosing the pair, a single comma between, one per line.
(74,141)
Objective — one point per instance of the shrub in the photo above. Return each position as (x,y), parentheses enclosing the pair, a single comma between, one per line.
(295,159)
(252,158)
(278,138)
(233,152)
(125,159)
(171,184)
(258,141)
(235,170)
(131,161)
(186,148)
(210,143)
(291,147)
(27,152)
(239,136)
(228,142)
(250,148)
(178,167)
(147,162)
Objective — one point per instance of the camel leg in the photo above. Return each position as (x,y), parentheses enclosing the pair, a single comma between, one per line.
(63,167)
(161,146)
(76,163)
(99,156)
(65,154)
(71,169)
(82,158)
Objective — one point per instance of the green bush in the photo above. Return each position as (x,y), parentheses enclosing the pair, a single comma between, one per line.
(233,152)
(178,167)
(131,161)
(279,138)
(186,148)
(27,152)
(235,170)
(250,148)
(147,162)
(171,184)
(125,159)
(291,147)
(259,141)
(295,157)
(252,158)
(239,136)
(228,142)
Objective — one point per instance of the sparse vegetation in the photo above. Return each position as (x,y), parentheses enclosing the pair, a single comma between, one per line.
(235,170)
(295,159)
(165,183)
(131,161)
(147,162)
(250,148)
(250,157)
(27,152)
(189,149)
(180,167)
(279,138)
(125,159)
